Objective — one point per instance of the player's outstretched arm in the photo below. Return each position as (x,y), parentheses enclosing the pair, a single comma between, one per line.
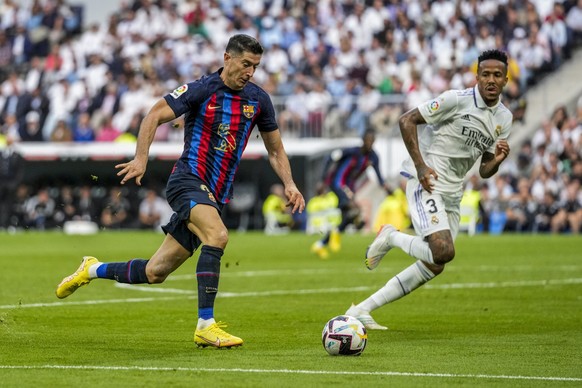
(280,163)
(136,168)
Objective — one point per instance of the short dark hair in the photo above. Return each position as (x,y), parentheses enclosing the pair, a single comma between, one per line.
(498,55)
(369,132)
(240,43)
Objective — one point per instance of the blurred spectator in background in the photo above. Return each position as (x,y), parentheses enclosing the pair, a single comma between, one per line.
(276,213)
(11,174)
(394,210)
(40,210)
(87,207)
(569,217)
(153,211)
(545,217)
(66,205)
(116,210)
(31,131)
(61,132)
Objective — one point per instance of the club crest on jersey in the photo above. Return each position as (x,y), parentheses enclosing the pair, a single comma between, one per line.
(249,111)
(179,91)
(434,106)
(434,220)
(210,195)
(498,130)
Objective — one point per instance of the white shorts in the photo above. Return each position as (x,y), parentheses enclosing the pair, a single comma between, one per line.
(432,213)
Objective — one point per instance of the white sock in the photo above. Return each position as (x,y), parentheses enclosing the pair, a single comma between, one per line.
(402,284)
(93,270)
(204,323)
(413,245)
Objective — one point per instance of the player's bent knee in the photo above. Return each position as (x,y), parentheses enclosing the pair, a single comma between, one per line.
(445,256)
(219,239)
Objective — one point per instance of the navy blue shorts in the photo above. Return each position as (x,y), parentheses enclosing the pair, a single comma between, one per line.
(343,200)
(184,191)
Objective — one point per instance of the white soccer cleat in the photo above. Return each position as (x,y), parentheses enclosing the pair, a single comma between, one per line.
(379,247)
(366,319)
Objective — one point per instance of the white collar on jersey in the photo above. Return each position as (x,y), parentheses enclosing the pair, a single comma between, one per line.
(480,103)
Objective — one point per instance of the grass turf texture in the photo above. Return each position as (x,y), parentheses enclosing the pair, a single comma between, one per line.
(506,306)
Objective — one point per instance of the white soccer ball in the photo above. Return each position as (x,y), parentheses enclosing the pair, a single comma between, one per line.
(344,335)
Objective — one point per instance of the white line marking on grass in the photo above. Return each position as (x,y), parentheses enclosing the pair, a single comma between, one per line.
(524,283)
(293,371)
(88,302)
(189,294)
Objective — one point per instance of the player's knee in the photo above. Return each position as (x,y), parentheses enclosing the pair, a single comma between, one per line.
(442,252)
(219,238)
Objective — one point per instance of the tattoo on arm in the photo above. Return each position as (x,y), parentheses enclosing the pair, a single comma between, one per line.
(408,128)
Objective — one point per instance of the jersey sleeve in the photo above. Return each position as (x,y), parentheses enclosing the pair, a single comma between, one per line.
(376,165)
(266,120)
(186,97)
(441,108)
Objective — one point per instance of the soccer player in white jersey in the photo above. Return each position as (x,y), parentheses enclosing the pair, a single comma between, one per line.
(462,125)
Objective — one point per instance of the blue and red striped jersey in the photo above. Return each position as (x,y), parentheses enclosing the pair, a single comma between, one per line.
(347,168)
(218,123)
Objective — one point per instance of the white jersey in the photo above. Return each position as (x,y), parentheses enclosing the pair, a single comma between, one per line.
(460,128)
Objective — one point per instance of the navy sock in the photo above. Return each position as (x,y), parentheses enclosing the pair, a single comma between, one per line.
(325,240)
(208,274)
(132,271)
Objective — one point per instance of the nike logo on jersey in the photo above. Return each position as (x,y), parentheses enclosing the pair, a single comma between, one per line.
(466,117)
(212,107)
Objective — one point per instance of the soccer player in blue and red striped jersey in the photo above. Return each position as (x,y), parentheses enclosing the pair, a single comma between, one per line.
(220,110)
(342,170)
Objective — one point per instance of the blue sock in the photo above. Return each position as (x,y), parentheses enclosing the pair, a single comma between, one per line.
(207,275)
(132,271)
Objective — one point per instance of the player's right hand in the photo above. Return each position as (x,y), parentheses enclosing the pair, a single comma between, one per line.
(425,177)
(132,169)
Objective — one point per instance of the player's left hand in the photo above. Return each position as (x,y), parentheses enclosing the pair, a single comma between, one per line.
(132,169)
(294,199)
(501,150)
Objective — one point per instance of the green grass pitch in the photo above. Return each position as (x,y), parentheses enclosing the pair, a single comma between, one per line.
(506,312)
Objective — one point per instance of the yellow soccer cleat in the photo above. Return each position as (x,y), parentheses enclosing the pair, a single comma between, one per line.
(320,250)
(335,241)
(213,335)
(81,277)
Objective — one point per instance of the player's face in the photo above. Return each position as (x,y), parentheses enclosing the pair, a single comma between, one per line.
(368,142)
(239,69)
(491,79)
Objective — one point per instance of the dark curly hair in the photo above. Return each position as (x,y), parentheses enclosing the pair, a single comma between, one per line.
(498,55)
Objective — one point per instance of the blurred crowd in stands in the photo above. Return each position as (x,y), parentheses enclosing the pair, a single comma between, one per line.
(333,68)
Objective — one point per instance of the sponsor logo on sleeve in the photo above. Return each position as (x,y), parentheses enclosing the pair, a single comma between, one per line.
(179,91)
(433,106)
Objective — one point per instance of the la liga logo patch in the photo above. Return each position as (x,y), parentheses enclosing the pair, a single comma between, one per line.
(434,106)
(179,91)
